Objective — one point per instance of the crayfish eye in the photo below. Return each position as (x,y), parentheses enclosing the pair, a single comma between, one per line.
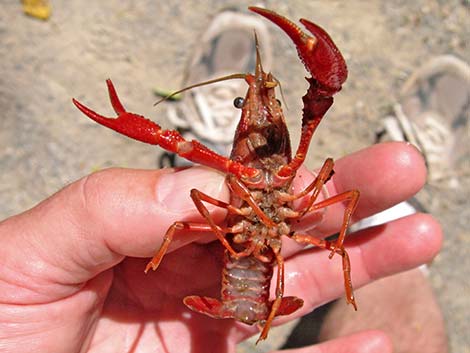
(238,102)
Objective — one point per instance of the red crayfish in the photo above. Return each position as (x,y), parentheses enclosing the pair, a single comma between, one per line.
(259,173)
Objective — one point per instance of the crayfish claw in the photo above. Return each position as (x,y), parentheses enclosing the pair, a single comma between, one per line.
(318,52)
(113,97)
(129,124)
(327,64)
(90,113)
(115,102)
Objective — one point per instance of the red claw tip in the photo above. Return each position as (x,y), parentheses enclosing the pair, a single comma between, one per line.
(319,53)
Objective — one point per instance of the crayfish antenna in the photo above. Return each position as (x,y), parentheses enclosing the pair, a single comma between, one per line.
(219,79)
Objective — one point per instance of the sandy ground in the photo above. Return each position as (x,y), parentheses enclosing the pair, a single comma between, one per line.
(46,143)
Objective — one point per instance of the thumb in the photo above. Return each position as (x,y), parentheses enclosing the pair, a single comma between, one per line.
(49,251)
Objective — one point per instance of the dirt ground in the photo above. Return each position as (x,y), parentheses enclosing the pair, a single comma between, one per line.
(46,143)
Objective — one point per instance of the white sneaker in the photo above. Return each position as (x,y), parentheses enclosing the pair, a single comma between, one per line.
(433,114)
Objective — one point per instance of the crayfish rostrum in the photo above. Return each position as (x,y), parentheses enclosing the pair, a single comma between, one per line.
(260,171)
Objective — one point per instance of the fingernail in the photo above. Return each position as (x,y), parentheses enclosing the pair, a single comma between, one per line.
(173,189)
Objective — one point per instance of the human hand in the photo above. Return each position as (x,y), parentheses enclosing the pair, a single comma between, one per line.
(71,268)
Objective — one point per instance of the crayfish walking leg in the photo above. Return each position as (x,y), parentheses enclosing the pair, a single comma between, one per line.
(197,197)
(351,196)
(187,226)
(324,244)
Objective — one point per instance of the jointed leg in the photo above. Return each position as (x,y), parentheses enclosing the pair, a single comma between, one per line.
(197,197)
(353,197)
(277,302)
(190,227)
(337,247)
(242,191)
(324,244)
(315,187)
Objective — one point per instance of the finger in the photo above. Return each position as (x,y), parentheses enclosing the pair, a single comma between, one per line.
(362,342)
(92,224)
(374,253)
(385,174)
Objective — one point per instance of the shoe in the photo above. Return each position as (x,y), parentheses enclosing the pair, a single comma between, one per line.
(207,113)
(433,114)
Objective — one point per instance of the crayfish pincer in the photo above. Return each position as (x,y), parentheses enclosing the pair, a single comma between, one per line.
(260,171)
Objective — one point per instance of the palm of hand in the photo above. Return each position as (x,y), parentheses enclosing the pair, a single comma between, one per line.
(146,312)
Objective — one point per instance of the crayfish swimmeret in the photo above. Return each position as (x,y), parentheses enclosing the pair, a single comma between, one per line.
(259,173)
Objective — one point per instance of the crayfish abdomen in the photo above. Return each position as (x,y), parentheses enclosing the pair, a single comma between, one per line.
(245,288)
